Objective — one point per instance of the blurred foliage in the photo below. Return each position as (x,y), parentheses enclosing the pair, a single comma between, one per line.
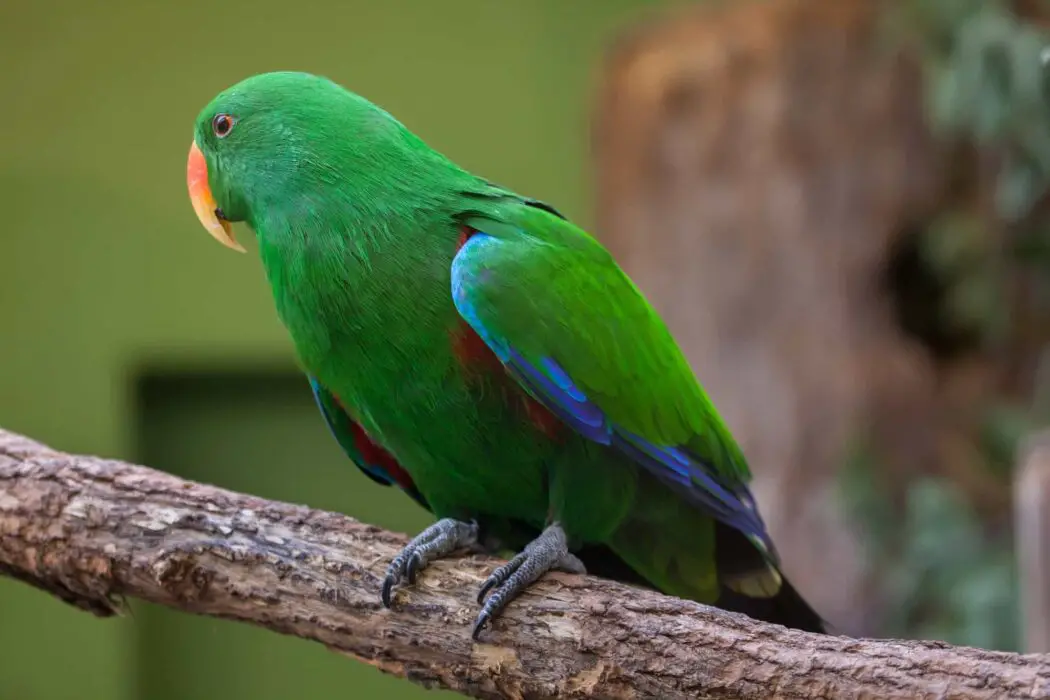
(942,573)
(967,260)
(988,92)
(988,84)
(946,570)
(1004,428)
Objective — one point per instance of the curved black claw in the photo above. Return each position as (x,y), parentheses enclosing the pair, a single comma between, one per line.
(388,586)
(547,552)
(441,538)
(479,625)
(500,575)
(415,565)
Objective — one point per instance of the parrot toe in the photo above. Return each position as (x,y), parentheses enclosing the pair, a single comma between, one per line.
(547,552)
(441,538)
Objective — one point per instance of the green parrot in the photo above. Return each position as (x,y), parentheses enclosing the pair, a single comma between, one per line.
(478,350)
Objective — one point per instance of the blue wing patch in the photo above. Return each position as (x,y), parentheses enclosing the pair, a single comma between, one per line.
(550,384)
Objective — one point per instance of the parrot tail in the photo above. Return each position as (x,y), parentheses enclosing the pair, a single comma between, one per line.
(751,583)
(786,608)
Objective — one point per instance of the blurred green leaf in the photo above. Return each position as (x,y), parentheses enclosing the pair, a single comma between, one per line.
(987,81)
(1003,429)
(948,577)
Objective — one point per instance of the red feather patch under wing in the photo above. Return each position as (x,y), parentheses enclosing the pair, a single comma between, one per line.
(471,351)
(465,232)
(374,454)
(477,359)
(548,423)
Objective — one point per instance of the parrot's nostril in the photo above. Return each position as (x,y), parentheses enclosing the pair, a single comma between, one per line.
(219,215)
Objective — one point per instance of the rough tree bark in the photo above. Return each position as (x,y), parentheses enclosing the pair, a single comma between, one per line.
(92,531)
(759,167)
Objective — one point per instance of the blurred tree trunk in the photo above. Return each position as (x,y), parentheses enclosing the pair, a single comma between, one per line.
(757,165)
(1032,524)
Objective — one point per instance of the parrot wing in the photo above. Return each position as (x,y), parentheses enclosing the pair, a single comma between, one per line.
(573,330)
(377,464)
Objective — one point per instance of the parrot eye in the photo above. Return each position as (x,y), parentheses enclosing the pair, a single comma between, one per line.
(221,124)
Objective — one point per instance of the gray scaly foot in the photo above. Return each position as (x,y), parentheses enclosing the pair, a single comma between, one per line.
(547,552)
(441,538)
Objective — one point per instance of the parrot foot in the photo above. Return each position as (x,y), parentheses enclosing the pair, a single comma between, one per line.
(441,538)
(547,552)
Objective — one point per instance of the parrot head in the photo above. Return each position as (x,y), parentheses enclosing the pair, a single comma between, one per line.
(283,143)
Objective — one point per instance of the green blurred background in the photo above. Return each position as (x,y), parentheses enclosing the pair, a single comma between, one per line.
(127,332)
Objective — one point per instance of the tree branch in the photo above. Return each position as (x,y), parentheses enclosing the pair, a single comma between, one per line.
(91,531)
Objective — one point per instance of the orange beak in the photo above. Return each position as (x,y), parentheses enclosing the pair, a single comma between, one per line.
(204,202)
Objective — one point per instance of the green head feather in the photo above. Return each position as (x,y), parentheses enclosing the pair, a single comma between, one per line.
(279,144)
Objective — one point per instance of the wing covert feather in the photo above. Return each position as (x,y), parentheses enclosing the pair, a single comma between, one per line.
(577,334)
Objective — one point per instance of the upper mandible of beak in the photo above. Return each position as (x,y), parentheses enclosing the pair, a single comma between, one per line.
(204,202)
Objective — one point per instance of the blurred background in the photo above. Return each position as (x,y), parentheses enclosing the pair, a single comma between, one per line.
(838,205)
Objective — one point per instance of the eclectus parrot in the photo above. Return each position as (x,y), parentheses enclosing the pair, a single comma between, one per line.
(478,350)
